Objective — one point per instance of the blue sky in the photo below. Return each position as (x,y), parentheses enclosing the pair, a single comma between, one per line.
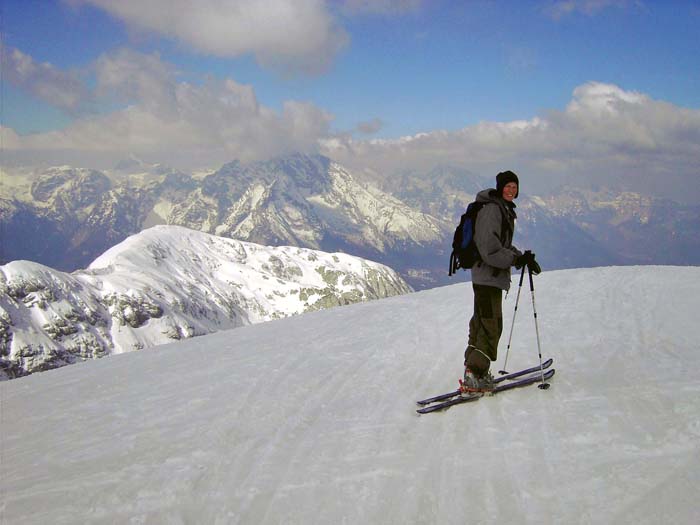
(251,79)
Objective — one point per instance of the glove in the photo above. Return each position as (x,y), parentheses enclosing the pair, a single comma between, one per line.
(523,259)
(528,259)
(533,267)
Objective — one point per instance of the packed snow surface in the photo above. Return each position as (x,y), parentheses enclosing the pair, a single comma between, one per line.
(312,419)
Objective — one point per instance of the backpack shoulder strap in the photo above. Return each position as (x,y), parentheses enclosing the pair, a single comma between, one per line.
(505,224)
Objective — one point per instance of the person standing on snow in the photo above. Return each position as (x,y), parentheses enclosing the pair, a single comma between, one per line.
(493,235)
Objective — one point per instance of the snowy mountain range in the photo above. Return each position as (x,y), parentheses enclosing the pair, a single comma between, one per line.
(568,227)
(632,228)
(169,283)
(299,200)
(65,217)
(235,427)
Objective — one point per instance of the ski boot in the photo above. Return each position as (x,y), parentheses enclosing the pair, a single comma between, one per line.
(473,384)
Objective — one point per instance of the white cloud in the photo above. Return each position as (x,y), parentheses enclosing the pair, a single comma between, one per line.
(595,98)
(130,76)
(288,35)
(179,122)
(61,89)
(604,133)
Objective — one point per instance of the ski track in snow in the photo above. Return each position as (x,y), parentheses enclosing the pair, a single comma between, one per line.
(312,419)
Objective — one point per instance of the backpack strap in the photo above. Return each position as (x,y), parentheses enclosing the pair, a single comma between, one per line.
(505,225)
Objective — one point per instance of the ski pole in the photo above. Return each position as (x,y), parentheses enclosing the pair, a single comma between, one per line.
(510,337)
(544,385)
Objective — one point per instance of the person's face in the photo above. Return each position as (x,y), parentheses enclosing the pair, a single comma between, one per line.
(510,190)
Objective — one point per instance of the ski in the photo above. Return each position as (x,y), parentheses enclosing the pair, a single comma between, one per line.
(530,380)
(507,377)
(455,400)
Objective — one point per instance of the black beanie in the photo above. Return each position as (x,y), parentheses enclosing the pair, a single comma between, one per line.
(504,178)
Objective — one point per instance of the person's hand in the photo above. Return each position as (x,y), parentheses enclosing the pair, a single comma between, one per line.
(533,267)
(528,259)
(522,259)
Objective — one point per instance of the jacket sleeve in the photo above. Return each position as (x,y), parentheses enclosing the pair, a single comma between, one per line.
(487,238)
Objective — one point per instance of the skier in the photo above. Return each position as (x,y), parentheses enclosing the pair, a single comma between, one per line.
(493,235)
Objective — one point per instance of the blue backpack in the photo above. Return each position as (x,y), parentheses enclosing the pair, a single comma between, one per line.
(464,252)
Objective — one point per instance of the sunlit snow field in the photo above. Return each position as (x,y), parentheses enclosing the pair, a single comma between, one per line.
(312,419)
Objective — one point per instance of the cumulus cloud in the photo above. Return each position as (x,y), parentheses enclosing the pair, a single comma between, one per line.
(604,134)
(129,76)
(288,35)
(61,89)
(179,122)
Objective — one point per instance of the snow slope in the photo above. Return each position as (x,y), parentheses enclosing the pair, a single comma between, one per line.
(169,283)
(311,419)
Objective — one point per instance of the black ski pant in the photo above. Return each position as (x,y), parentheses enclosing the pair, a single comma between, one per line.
(485,328)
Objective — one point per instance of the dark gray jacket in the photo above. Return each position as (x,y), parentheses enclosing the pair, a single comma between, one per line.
(496,218)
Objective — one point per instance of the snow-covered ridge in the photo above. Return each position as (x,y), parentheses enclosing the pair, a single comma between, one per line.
(72,215)
(238,428)
(64,217)
(168,283)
